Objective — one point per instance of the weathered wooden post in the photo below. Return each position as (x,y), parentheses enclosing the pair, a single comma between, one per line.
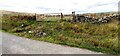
(61,16)
(35,16)
(73,16)
(76,19)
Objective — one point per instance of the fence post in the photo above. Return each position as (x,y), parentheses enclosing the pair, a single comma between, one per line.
(73,16)
(61,16)
(35,16)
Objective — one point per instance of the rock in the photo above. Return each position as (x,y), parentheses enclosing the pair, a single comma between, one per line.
(40,34)
(19,30)
(104,21)
(100,19)
(44,34)
(24,32)
(23,25)
(30,32)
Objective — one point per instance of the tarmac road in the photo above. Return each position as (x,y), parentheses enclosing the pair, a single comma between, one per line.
(12,44)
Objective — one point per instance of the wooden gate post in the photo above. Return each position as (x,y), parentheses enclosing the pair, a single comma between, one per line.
(61,16)
(35,16)
(73,16)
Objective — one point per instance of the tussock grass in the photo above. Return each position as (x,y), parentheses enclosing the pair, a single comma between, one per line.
(101,38)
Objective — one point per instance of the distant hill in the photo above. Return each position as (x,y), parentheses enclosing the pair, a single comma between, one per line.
(13,12)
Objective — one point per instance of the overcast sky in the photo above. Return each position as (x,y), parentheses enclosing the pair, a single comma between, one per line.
(56,6)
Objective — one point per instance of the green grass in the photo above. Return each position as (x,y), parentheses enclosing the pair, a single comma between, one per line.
(57,18)
(101,38)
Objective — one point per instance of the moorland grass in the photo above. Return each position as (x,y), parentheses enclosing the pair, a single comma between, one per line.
(97,37)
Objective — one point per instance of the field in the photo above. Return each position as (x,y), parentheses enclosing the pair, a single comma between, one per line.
(96,37)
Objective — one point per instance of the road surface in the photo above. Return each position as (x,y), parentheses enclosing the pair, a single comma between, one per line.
(12,44)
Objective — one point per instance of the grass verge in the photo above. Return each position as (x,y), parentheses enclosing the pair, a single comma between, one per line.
(101,38)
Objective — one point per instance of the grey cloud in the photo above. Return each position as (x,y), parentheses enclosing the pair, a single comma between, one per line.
(2,5)
(101,4)
(61,9)
(43,8)
(75,3)
(96,5)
